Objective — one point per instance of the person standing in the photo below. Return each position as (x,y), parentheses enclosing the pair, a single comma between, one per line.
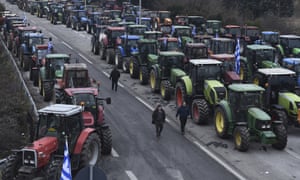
(183,113)
(158,119)
(114,77)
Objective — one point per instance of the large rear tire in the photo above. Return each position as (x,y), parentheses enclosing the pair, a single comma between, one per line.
(125,65)
(90,152)
(280,115)
(165,90)
(106,141)
(134,67)
(118,60)
(54,169)
(11,167)
(180,94)
(243,71)
(144,75)
(102,51)
(200,111)
(241,138)
(47,91)
(281,136)
(110,56)
(221,123)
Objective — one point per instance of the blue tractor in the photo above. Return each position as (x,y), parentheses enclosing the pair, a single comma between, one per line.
(123,52)
(294,65)
(78,19)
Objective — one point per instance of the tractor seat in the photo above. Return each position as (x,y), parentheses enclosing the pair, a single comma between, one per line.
(88,118)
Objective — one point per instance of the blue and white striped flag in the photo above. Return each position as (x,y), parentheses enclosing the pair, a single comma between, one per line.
(24,18)
(237,57)
(66,169)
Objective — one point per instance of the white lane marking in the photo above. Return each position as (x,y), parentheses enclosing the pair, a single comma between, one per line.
(175,173)
(131,175)
(224,164)
(86,59)
(292,153)
(67,45)
(168,120)
(143,102)
(114,153)
(33,21)
(105,73)
(52,35)
(121,85)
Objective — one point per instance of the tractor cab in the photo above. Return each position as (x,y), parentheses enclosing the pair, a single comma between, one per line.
(168,44)
(195,51)
(269,38)
(183,34)
(289,45)
(170,61)
(232,31)
(221,46)
(214,28)
(54,65)
(75,75)
(136,29)
(294,65)
(152,35)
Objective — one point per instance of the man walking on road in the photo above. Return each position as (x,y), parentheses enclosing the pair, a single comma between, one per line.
(183,112)
(158,118)
(114,77)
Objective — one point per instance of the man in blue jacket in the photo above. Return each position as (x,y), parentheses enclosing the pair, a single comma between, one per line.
(183,113)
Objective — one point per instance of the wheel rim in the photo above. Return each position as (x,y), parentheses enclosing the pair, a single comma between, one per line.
(141,76)
(162,90)
(87,28)
(93,153)
(219,122)
(131,67)
(242,73)
(238,138)
(195,113)
(179,97)
(256,81)
(116,59)
(152,80)
(107,58)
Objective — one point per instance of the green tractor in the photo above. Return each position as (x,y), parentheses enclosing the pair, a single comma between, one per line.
(289,46)
(256,56)
(242,117)
(183,34)
(201,88)
(140,62)
(51,70)
(280,85)
(164,74)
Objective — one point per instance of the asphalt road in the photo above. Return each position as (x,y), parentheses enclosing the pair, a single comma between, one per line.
(138,154)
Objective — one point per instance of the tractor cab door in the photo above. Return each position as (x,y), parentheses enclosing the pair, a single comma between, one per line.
(197,81)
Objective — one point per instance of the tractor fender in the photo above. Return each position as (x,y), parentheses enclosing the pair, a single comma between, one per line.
(188,85)
(277,106)
(296,52)
(226,107)
(156,68)
(42,73)
(257,113)
(81,139)
(288,101)
(121,49)
(280,48)
(269,64)
(100,119)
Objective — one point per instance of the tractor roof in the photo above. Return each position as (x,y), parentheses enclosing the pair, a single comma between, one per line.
(61,109)
(250,27)
(171,53)
(290,36)
(222,39)
(27,28)
(75,66)
(41,46)
(89,90)
(116,28)
(223,57)
(269,32)
(137,26)
(204,61)
(276,71)
(50,56)
(181,27)
(32,34)
(291,61)
(130,37)
(232,26)
(148,41)
(260,47)
(213,21)
(195,45)
(245,88)
(152,32)
(169,39)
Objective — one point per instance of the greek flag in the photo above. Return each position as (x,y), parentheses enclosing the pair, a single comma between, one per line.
(24,18)
(66,169)
(179,41)
(237,57)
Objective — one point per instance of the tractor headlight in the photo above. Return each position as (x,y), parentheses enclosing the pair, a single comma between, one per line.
(26,161)
(32,162)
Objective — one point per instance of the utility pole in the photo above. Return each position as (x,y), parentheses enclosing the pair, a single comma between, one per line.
(140,11)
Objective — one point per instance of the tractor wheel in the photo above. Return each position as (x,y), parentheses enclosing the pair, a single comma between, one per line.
(118,60)
(54,169)
(243,71)
(144,75)
(281,136)
(96,47)
(258,80)
(90,151)
(280,115)
(87,28)
(40,85)
(134,68)
(180,93)
(221,123)
(26,63)
(21,58)
(102,52)
(77,27)
(241,138)
(125,65)
(47,91)
(92,30)
(110,56)
(106,141)
(278,57)
(153,81)
(200,111)
(165,89)
(35,77)
(11,167)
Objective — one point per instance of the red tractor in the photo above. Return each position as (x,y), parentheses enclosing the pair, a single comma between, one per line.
(43,158)
(93,113)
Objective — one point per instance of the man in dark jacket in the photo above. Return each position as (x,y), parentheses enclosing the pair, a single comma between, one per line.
(183,113)
(158,118)
(114,76)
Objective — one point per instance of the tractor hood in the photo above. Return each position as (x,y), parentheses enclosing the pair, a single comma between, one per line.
(290,101)
(83,19)
(176,73)
(88,118)
(45,144)
(258,114)
(214,91)
(296,52)
(269,64)
(152,58)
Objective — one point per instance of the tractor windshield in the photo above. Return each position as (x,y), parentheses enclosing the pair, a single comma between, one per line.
(175,62)
(115,34)
(49,125)
(263,55)
(221,47)
(234,31)
(35,40)
(294,43)
(77,79)
(164,15)
(198,53)
(137,30)
(87,98)
(81,13)
(42,53)
(182,32)
(252,32)
(250,99)
(209,72)
(148,48)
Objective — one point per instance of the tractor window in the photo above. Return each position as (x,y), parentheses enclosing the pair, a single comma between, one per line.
(42,53)
(49,125)
(175,62)
(78,78)
(88,99)
(250,99)
(81,14)
(262,55)
(209,72)
(35,40)
(198,53)
(294,43)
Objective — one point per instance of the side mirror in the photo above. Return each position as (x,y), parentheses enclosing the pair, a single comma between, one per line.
(107,100)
